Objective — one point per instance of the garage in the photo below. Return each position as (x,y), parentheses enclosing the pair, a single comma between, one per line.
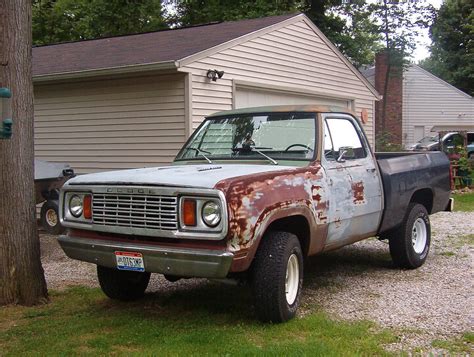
(132,101)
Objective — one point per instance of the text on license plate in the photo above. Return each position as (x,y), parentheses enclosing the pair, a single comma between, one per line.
(129,261)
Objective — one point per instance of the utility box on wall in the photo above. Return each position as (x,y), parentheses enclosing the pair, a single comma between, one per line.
(6,122)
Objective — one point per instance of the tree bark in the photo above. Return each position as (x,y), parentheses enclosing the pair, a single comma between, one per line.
(21,274)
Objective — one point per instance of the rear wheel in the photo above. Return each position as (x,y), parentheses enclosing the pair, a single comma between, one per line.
(410,243)
(122,285)
(277,277)
(49,217)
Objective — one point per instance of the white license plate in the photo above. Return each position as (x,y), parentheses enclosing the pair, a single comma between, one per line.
(129,261)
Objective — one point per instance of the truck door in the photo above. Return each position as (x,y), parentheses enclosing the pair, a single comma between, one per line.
(357,199)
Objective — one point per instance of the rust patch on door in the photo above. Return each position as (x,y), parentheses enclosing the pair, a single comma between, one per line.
(358,192)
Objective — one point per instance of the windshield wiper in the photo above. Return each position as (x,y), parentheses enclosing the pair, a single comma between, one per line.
(200,152)
(274,162)
(256,149)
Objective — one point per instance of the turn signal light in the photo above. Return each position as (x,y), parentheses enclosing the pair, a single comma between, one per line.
(189,212)
(87,206)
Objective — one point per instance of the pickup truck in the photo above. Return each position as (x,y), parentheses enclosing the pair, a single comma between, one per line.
(250,196)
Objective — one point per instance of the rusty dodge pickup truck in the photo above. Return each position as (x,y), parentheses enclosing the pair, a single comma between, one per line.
(249,197)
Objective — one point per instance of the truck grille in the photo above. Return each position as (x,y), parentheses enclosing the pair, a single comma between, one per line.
(135,211)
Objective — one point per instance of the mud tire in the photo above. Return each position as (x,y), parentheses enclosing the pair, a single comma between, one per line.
(122,285)
(269,271)
(400,241)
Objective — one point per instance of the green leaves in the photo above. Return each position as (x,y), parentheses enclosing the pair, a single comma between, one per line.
(452,51)
(70,20)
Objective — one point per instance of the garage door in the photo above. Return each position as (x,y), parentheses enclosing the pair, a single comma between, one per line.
(246,97)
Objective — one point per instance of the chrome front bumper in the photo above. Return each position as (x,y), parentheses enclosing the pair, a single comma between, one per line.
(199,263)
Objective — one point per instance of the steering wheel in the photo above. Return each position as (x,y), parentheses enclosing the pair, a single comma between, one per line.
(295,145)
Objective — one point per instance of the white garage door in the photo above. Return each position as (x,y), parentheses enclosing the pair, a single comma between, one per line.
(246,97)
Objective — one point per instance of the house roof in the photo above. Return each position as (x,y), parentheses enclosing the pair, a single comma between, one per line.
(369,73)
(140,49)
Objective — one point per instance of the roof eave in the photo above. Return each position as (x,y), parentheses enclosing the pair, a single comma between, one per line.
(134,68)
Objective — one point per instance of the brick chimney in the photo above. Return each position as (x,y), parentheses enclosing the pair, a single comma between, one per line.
(393,99)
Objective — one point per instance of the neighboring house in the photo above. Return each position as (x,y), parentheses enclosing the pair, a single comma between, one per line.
(131,101)
(419,102)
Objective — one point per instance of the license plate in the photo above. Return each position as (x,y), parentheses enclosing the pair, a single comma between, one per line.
(129,261)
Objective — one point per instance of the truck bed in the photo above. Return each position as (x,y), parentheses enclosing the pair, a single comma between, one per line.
(408,177)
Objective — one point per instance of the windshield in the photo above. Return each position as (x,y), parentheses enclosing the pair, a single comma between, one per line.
(268,137)
(429,140)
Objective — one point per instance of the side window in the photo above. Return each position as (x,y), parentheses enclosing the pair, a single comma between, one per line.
(328,147)
(344,135)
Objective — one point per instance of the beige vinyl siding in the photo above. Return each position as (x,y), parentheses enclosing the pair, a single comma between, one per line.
(110,124)
(293,56)
(429,101)
(249,97)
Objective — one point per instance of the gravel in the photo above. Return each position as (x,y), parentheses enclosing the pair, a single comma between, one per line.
(357,282)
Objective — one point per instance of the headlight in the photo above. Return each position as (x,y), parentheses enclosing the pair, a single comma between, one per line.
(211,213)
(76,206)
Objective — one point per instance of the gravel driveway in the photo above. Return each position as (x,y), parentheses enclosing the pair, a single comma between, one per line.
(358,282)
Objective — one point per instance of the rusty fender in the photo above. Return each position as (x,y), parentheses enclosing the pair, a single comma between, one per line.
(255,201)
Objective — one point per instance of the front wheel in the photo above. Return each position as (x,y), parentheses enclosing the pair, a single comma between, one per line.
(277,277)
(122,285)
(410,243)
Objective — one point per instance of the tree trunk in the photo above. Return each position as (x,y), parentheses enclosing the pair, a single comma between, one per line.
(385,91)
(21,274)
(388,62)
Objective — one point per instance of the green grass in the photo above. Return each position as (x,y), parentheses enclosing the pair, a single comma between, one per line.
(463,202)
(205,320)
(458,346)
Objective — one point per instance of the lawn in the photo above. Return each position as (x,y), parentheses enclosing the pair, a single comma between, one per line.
(83,321)
(464,202)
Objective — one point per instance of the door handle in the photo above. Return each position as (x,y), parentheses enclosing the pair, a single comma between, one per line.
(372,169)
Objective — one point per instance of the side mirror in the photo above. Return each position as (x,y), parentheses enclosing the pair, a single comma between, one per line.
(344,151)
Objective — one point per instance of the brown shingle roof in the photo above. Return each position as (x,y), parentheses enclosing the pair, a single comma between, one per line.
(153,47)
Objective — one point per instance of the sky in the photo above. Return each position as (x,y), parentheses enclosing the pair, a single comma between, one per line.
(422,50)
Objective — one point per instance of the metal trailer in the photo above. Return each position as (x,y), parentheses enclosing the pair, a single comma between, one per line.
(49,178)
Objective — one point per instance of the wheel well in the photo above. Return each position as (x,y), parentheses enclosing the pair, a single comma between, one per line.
(424,197)
(298,225)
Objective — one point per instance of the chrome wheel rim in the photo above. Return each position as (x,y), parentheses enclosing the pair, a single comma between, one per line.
(292,280)
(419,236)
(51,217)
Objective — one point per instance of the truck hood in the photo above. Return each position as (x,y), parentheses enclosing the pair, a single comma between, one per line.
(199,176)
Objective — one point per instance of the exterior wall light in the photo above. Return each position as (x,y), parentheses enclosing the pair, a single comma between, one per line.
(214,74)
